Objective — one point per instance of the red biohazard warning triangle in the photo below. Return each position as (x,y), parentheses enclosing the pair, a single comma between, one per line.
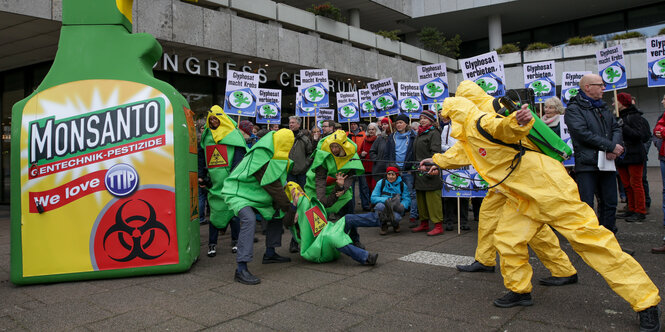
(217,156)
(316,220)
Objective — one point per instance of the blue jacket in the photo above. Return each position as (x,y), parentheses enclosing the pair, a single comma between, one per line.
(390,190)
(389,154)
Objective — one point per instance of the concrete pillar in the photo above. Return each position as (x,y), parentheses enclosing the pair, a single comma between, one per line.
(494,31)
(354,17)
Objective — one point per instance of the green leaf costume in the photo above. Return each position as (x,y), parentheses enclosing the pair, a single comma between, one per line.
(242,188)
(224,138)
(323,157)
(318,238)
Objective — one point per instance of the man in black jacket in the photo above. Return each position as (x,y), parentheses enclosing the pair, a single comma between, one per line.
(594,129)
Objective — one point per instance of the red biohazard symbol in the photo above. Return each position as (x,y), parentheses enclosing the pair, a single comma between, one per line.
(482,152)
(138,231)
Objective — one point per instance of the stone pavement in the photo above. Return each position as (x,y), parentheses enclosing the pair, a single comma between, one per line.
(298,296)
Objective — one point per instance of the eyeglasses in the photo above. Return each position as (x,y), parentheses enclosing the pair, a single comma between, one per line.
(598,84)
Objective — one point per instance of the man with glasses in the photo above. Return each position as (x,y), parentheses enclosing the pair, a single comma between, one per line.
(327,128)
(595,134)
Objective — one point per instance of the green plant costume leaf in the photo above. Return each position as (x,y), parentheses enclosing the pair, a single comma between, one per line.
(242,188)
(322,247)
(228,136)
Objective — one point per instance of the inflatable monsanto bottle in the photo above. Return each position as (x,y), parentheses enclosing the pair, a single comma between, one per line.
(219,146)
(103,167)
(318,238)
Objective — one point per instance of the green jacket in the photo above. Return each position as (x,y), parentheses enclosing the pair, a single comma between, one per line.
(425,146)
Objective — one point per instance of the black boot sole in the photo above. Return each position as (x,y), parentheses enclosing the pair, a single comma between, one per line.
(524,303)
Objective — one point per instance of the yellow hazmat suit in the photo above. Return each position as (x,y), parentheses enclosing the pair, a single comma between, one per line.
(545,243)
(538,191)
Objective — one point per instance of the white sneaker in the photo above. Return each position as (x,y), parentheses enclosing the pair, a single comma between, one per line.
(211,250)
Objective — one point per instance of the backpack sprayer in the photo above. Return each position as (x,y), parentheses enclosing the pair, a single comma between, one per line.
(541,135)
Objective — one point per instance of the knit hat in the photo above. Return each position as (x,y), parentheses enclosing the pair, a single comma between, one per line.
(625,99)
(246,126)
(429,115)
(386,120)
(402,117)
(392,169)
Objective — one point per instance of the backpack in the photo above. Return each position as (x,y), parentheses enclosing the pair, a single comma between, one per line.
(383,184)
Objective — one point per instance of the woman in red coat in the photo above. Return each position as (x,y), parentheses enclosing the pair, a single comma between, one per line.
(363,151)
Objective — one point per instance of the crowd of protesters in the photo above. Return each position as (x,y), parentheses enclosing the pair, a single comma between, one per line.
(398,143)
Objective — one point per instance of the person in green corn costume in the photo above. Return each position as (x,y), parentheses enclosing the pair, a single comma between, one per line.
(321,241)
(221,150)
(256,185)
(328,179)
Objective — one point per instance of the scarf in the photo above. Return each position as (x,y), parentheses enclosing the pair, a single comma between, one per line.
(423,129)
(551,122)
(595,103)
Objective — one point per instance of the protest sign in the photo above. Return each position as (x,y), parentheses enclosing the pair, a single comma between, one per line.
(656,61)
(463,182)
(241,91)
(433,80)
(269,106)
(365,101)
(324,114)
(570,81)
(486,71)
(347,107)
(565,136)
(539,77)
(408,95)
(303,111)
(314,88)
(384,97)
(612,68)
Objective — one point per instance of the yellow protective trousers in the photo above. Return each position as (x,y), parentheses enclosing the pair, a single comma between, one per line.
(597,246)
(544,243)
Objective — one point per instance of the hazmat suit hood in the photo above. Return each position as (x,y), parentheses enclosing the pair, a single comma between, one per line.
(226,125)
(458,109)
(471,91)
(340,138)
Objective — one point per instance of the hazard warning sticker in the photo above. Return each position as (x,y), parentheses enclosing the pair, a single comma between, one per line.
(316,220)
(216,156)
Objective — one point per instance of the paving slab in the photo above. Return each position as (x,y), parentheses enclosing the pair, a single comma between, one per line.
(132,320)
(208,308)
(64,316)
(176,324)
(266,293)
(239,325)
(294,315)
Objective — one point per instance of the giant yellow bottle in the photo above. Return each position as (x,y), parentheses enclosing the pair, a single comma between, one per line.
(103,167)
